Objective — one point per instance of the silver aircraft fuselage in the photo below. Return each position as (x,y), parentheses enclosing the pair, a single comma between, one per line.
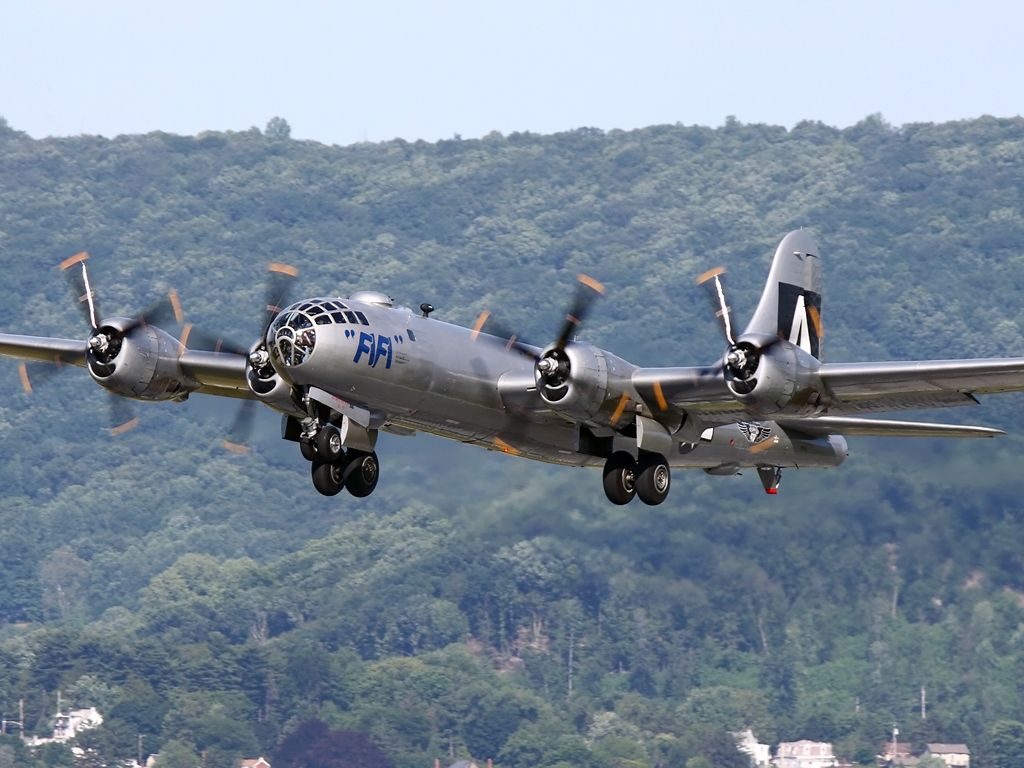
(416,373)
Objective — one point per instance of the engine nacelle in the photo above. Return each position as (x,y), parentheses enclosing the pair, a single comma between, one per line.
(137,361)
(269,386)
(774,377)
(577,383)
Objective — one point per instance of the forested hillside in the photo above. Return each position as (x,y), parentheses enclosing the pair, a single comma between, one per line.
(480,605)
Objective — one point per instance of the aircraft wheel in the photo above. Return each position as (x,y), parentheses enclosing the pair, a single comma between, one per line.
(308,450)
(620,478)
(328,479)
(328,443)
(654,479)
(362,474)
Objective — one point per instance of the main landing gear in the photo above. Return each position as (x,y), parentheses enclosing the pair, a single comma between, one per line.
(648,477)
(334,467)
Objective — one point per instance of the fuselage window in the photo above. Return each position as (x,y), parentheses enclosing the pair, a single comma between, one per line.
(322,320)
(338,317)
(412,336)
(351,316)
(362,318)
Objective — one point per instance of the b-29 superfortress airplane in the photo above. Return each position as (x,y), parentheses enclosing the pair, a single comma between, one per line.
(339,370)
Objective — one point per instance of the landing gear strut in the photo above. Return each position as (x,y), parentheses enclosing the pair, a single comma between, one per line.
(649,478)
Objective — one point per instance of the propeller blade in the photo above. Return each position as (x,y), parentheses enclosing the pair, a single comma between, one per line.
(714,277)
(166,310)
(122,417)
(79,281)
(587,291)
(280,279)
(241,429)
(35,373)
(496,332)
(207,342)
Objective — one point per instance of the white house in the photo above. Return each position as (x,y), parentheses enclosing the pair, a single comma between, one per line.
(953,755)
(67,726)
(805,754)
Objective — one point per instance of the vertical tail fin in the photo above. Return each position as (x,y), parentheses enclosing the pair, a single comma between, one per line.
(790,306)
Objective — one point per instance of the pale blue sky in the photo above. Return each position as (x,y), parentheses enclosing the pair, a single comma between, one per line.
(342,72)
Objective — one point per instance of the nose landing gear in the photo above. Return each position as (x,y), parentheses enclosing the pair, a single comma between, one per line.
(333,467)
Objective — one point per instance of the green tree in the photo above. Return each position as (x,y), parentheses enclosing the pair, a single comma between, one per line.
(177,754)
(278,128)
(1006,744)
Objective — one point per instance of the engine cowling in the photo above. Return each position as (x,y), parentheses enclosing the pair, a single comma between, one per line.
(267,383)
(770,376)
(137,361)
(573,380)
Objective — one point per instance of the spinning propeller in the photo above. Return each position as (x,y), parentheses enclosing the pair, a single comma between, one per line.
(741,357)
(552,364)
(105,342)
(279,285)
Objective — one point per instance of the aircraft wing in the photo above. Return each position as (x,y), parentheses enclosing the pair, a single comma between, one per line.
(874,387)
(218,373)
(43,349)
(214,373)
(698,391)
(852,388)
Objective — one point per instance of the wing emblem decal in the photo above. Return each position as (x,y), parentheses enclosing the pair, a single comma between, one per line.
(754,431)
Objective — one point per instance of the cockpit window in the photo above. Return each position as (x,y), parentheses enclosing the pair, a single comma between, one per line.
(292,335)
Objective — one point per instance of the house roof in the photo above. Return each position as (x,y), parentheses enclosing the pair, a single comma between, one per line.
(254,762)
(806,743)
(890,748)
(948,749)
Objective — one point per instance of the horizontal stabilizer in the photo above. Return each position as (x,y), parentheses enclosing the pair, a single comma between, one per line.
(850,426)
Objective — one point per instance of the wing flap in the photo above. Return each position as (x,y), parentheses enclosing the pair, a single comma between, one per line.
(850,426)
(850,381)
